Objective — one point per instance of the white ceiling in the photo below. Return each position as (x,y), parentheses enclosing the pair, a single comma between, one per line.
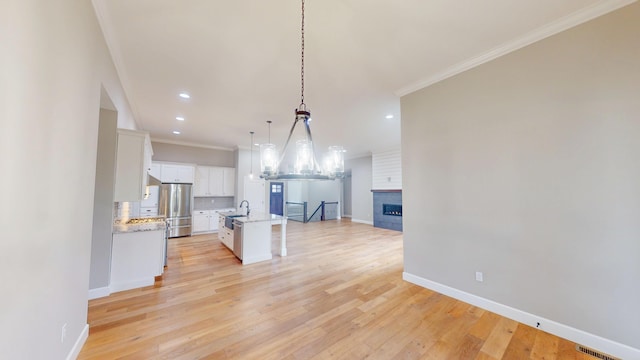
(240,60)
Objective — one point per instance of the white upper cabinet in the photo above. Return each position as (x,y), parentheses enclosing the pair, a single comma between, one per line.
(133,160)
(177,173)
(156,169)
(214,181)
(151,197)
(229,181)
(201,185)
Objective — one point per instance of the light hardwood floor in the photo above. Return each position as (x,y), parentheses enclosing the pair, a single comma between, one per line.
(338,295)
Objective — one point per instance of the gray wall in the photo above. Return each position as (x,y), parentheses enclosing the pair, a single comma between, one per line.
(53,66)
(192,154)
(347,195)
(528,168)
(99,274)
(319,191)
(361,196)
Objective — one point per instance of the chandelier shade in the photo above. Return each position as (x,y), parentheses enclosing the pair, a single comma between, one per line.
(268,159)
(303,163)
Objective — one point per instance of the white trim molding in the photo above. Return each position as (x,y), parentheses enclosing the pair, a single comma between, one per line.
(132,284)
(564,331)
(186,143)
(99,292)
(362,221)
(77,346)
(555,27)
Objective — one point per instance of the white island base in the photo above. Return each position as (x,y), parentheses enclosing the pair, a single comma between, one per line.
(256,242)
(255,245)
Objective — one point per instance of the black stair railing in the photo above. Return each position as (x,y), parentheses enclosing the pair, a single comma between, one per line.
(298,211)
(321,206)
(300,215)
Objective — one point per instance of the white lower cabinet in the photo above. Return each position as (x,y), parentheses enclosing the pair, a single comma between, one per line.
(221,232)
(225,234)
(136,259)
(205,221)
(228,238)
(200,221)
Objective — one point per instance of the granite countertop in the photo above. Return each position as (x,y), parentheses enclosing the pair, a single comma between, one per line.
(254,217)
(139,224)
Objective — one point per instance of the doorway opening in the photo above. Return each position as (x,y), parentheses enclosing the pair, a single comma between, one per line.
(276,198)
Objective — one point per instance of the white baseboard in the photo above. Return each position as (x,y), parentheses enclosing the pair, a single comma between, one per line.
(576,335)
(362,221)
(254,259)
(77,346)
(122,286)
(99,292)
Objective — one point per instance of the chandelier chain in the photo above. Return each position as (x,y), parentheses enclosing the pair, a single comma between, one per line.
(269,122)
(302,105)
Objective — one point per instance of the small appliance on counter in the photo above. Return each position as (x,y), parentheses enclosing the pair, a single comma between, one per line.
(175,204)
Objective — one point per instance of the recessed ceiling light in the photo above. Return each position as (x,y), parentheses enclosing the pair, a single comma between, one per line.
(179,118)
(389,116)
(184,95)
(176,132)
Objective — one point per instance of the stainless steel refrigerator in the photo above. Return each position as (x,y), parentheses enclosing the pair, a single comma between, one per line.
(175,204)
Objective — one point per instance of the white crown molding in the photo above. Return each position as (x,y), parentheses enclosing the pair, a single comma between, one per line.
(562,24)
(185,143)
(564,331)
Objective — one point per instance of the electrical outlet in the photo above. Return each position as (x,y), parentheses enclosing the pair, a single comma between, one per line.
(63,334)
(479,276)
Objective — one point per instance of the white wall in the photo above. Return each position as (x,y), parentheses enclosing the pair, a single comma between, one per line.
(527,168)
(361,196)
(244,164)
(53,62)
(387,170)
(328,191)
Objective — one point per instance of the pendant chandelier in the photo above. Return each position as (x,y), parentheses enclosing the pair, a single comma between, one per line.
(301,164)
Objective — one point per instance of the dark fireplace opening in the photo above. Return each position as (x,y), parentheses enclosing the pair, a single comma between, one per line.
(387,209)
(392,209)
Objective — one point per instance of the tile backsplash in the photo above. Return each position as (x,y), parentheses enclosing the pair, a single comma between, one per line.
(212,203)
(126,210)
(132,209)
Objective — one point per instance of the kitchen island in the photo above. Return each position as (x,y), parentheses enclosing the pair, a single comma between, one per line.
(138,252)
(249,237)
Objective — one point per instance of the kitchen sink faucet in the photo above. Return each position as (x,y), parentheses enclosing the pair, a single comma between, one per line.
(245,201)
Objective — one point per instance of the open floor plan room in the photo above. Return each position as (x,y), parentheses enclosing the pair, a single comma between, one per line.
(338,294)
